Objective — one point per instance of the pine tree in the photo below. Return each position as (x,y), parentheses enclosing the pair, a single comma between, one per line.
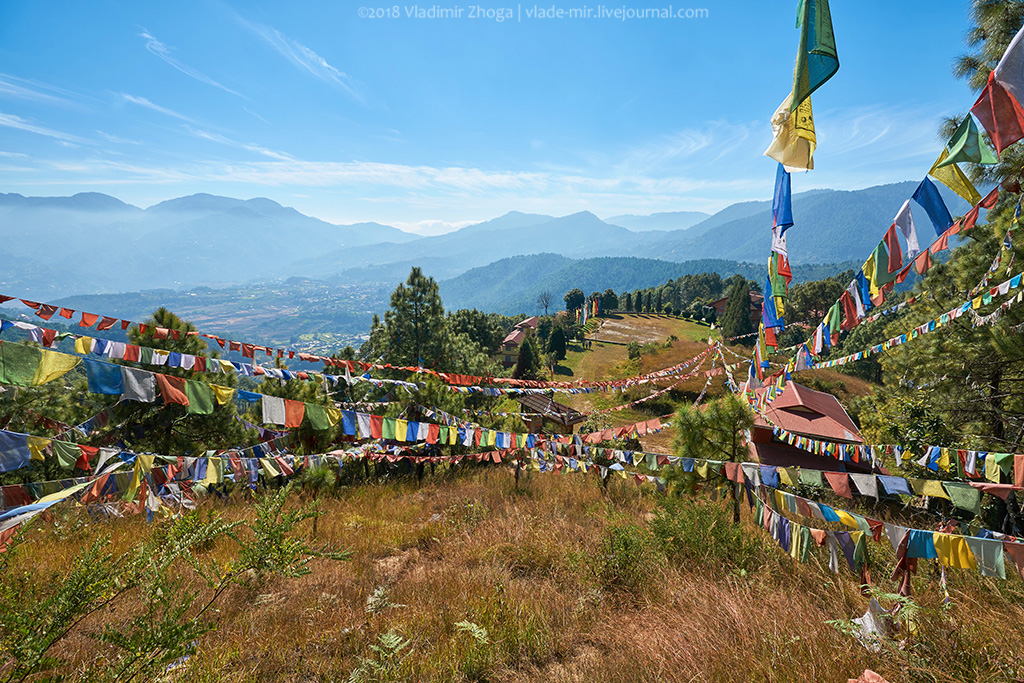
(736,317)
(627,302)
(657,302)
(556,343)
(529,360)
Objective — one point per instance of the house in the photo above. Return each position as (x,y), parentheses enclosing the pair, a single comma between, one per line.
(508,352)
(547,415)
(804,412)
(756,300)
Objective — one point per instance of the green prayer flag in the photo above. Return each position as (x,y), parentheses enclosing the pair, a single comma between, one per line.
(835,317)
(200,398)
(20,362)
(882,276)
(317,416)
(817,59)
(964,496)
(810,477)
(67,454)
(387,430)
(968,145)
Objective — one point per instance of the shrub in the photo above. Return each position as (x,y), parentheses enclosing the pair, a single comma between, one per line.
(628,559)
(692,532)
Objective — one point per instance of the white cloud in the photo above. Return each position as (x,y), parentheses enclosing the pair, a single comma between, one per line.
(215,137)
(306,59)
(12,87)
(16,122)
(160,50)
(143,102)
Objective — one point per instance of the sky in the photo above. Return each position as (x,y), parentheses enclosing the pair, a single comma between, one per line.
(372,112)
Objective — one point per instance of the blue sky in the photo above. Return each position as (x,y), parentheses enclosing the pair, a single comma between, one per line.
(433,123)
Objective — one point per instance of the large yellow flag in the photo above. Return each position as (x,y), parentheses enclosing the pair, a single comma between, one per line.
(952,177)
(53,365)
(793,139)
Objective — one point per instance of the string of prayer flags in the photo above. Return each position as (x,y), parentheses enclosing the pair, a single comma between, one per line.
(817,59)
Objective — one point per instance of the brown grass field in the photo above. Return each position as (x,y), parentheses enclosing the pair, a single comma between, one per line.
(536,567)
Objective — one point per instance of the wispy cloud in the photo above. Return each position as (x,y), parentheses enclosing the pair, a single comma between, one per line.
(216,137)
(306,59)
(160,50)
(117,139)
(18,123)
(15,88)
(143,102)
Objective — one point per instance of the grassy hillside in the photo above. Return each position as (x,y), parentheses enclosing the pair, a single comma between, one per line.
(556,579)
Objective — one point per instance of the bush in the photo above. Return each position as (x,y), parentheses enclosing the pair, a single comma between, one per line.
(628,560)
(692,532)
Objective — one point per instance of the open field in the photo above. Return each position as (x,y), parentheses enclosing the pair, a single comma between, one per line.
(554,580)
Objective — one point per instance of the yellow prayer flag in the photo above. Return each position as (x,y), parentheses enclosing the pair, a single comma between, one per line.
(36,444)
(787,475)
(53,365)
(401,429)
(82,345)
(793,139)
(952,177)
(954,552)
(928,487)
(333,415)
(222,394)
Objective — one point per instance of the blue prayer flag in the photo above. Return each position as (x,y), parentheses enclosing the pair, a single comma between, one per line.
(927,195)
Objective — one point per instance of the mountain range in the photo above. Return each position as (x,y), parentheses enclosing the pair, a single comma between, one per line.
(94,243)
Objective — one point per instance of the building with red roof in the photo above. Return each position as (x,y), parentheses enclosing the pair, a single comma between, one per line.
(804,412)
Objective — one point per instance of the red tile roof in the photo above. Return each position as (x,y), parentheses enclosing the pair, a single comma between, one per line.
(532,321)
(810,413)
(515,337)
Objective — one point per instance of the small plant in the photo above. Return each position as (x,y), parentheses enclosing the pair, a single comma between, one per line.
(628,560)
(478,660)
(389,652)
(380,600)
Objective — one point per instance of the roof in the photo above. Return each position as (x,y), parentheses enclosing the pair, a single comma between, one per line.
(532,321)
(811,413)
(755,298)
(784,455)
(550,409)
(515,337)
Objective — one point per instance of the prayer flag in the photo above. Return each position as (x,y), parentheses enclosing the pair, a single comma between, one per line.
(817,59)
(967,145)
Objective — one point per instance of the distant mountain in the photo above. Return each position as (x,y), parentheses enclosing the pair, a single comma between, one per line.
(511,285)
(93,242)
(672,220)
(578,235)
(831,226)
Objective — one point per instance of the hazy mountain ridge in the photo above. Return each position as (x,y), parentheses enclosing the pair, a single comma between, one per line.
(512,285)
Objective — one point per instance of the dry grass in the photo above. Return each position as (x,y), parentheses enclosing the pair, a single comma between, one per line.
(530,566)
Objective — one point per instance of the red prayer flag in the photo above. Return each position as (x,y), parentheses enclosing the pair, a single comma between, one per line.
(46,311)
(106,323)
(376,426)
(923,262)
(849,307)
(160,333)
(131,353)
(840,483)
(294,411)
(66,313)
(125,324)
(87,453)
(88,320)
(172,389)
(31,304)
(892,243)
(1000,114)
(941,244)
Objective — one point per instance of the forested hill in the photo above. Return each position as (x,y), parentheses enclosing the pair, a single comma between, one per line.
(512,285)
